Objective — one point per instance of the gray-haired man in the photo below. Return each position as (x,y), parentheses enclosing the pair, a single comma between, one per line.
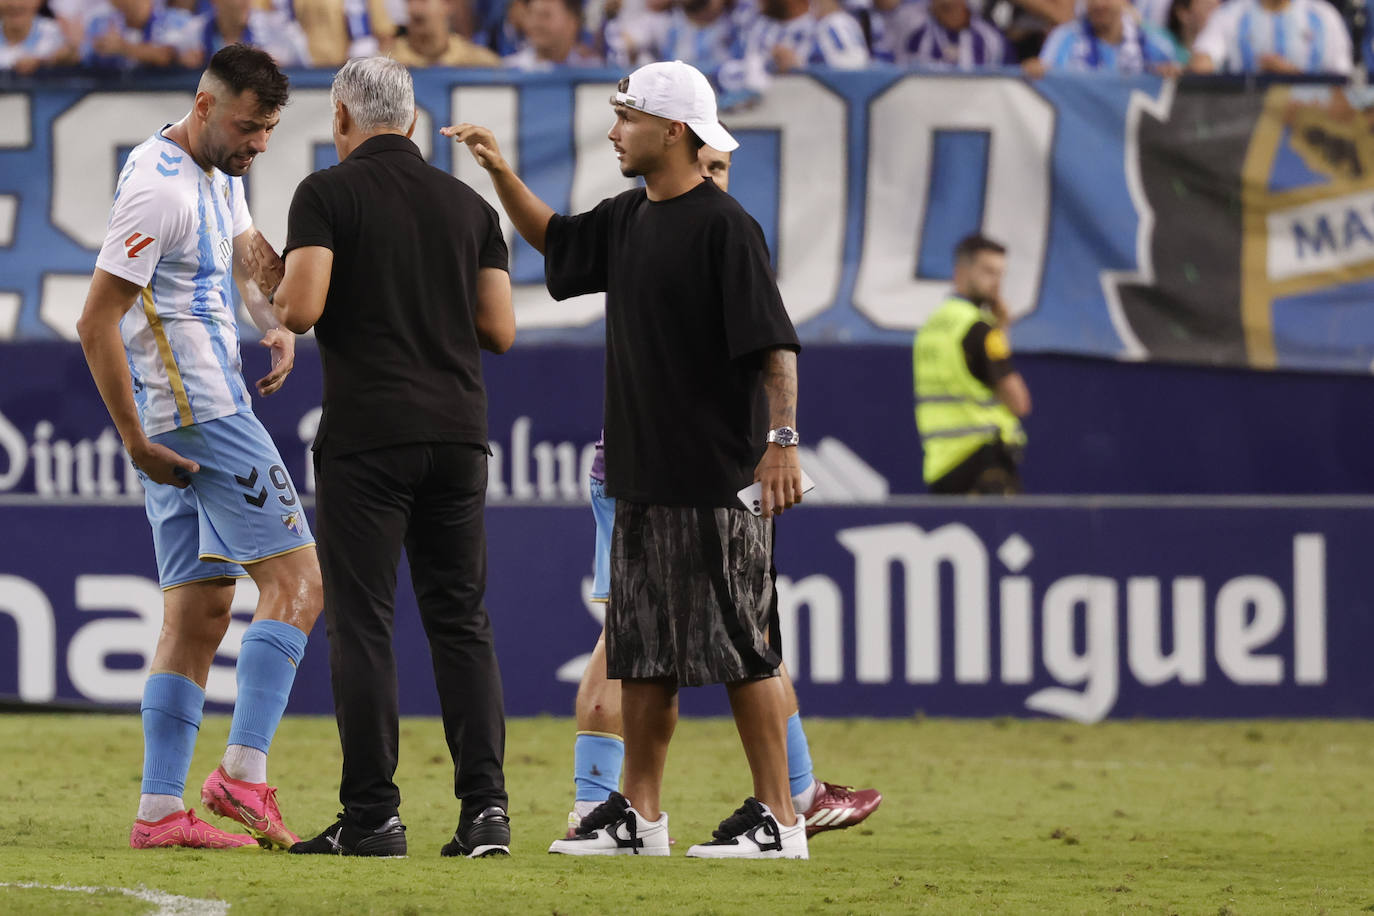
(401,269)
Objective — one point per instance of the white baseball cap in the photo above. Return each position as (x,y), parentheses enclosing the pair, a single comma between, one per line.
(678,92)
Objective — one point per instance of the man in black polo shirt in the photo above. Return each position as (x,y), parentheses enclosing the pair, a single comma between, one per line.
(700,362)
(402,271)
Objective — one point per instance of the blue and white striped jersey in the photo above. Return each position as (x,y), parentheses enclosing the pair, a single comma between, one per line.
(917,40)
(835,40)
(165,26)
(1074,46)
(171,231)
(44,40)
(673,36)
(1308,33)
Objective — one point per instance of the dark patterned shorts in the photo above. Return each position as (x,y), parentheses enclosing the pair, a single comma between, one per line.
(692,595)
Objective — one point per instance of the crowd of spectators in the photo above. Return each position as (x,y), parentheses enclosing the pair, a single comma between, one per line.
(740,44)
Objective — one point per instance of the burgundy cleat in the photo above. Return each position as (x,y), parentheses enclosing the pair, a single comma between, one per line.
(837,807)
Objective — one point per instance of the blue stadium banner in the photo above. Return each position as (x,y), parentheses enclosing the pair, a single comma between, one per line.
(1201,222)
(1080,607)
(1068,608)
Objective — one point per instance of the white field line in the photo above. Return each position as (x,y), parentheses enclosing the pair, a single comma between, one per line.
(167,904)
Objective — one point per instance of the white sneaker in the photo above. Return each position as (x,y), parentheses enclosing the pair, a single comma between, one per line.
(616,829)
(753,833)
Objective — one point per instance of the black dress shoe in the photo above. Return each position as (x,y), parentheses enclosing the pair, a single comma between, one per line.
(346,838)
(487,834)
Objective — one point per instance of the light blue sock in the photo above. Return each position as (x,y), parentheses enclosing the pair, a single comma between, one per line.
(798,756)
(596,765)
(172,707)
(266,669)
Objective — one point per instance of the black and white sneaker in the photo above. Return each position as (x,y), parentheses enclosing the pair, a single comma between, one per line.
(487,834)
(615,829)
(345,838)
(753,833)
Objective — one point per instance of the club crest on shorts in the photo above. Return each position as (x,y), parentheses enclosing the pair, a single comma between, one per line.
(292,521)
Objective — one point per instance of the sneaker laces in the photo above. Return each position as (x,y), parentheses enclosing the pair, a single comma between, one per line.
(612,810)
(747,815)
(830,790)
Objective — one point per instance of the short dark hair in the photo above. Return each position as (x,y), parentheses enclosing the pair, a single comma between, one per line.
(970,246)
(242,68)
(694,143)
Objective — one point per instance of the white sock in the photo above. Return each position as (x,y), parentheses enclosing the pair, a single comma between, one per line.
(244,763)
(803,801)
(583,808)
(153,808)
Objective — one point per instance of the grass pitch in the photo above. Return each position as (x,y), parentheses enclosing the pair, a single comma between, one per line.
(978,816)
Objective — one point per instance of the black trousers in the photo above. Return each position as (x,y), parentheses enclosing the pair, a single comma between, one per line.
(992,470)
(429,497)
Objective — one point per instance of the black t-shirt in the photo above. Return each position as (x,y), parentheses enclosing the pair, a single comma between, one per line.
(398,336)
(691,306)
(987,354)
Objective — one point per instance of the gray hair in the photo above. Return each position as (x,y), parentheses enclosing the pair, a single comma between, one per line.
(378,91)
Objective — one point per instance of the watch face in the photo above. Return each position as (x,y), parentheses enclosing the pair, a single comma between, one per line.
(783,436)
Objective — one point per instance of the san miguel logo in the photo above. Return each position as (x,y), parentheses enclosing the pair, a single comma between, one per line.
(1256,235)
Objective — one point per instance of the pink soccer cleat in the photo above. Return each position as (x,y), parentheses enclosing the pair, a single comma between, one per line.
(837,807)
(185,829)
(252,804)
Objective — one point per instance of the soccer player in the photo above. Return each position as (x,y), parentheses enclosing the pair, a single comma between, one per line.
(599,750)
(161,340)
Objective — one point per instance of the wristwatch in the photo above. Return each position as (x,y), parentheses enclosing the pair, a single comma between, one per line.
(785,436)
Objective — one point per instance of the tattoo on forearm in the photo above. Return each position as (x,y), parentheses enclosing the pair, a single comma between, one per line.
(780,382)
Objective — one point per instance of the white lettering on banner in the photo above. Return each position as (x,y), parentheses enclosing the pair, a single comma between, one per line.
(25,604)
(93,644)
(825,616)
(1249,615)
(88,468)
(86,139)
(1321,236)
(813,191)
(904,120)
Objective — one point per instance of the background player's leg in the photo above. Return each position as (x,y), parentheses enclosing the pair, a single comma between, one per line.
(801,780)
(599,750)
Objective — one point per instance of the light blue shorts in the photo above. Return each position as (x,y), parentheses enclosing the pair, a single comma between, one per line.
(603,509)
(241,506)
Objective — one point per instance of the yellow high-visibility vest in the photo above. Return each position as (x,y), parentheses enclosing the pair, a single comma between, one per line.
(956,414)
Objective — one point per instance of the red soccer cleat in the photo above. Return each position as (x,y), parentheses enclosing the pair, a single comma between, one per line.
(837,807)
(252,804)
(185,829)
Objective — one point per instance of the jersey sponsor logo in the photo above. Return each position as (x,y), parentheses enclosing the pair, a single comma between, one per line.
(136,243)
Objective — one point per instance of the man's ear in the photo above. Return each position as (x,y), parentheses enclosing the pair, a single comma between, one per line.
(204,104)
(343,118)
(410,131)
(676,131)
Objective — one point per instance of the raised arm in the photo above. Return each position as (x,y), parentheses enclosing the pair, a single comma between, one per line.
(98,327)
(780,468)
(529,214)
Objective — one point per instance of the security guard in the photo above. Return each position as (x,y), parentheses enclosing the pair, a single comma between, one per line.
(969,396)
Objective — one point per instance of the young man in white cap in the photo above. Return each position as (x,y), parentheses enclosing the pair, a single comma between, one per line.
(701,393)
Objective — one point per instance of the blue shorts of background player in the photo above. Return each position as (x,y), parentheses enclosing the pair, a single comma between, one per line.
(240,507)
(603,510)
